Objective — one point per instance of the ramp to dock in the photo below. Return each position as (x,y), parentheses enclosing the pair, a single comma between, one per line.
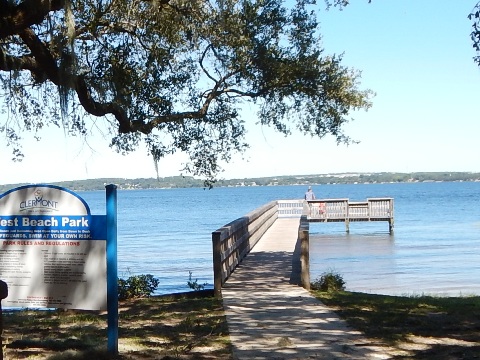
(270,317)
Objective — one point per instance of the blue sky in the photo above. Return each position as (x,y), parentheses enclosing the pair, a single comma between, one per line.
(417,57)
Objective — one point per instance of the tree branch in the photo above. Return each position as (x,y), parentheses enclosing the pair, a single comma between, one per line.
(12,63)
(14,19)
(53,73)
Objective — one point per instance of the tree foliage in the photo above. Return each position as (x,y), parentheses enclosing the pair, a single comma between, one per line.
(172,74)
(475,34)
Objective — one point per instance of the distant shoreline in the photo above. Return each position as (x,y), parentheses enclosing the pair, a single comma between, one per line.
(173,182)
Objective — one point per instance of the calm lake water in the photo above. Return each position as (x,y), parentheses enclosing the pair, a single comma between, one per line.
(435,248)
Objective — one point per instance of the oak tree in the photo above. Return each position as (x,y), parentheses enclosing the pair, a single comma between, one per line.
(171,74)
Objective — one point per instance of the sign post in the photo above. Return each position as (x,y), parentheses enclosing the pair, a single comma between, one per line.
(112,270)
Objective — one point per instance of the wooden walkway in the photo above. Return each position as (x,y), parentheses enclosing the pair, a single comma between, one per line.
(270,317)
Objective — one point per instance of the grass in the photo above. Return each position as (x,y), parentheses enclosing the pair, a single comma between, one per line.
(191,326)
(420,327)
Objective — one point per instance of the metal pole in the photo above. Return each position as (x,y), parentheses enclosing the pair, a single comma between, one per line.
(112,270)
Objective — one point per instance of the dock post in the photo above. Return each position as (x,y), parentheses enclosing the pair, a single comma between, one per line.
(390,221)
(305,259)
(217,264)
(304,239)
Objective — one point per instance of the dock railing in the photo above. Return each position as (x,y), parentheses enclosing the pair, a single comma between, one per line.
(338,210)
(232,242)
(291,208)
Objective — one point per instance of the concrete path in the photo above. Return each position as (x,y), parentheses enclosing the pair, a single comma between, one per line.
(270,317)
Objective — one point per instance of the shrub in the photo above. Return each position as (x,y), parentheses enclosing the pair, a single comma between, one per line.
(330,281)
(137,286)
(194,285)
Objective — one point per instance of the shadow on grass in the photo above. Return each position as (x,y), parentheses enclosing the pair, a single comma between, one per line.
(427,327)
(190,326)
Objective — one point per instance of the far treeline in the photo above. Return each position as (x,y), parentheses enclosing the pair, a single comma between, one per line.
(190,182)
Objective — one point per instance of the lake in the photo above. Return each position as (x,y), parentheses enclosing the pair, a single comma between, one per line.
(435,247)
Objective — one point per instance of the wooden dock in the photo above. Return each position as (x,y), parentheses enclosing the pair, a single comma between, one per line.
(232,242)
(270,317)
(259,261)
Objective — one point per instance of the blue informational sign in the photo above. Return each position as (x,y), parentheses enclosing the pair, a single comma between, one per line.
(63,228)
(55,254)
(52,250)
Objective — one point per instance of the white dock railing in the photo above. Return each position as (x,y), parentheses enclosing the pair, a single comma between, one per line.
(337,210)
(291,208)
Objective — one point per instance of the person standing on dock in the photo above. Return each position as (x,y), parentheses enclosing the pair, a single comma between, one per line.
(309,195)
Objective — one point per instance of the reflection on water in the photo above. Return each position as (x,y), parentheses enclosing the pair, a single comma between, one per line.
(411,261)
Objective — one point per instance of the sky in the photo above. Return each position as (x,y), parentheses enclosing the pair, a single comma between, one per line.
(417,57)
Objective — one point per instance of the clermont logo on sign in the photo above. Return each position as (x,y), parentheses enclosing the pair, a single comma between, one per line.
(52,250)
(38,204)
(42,200)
